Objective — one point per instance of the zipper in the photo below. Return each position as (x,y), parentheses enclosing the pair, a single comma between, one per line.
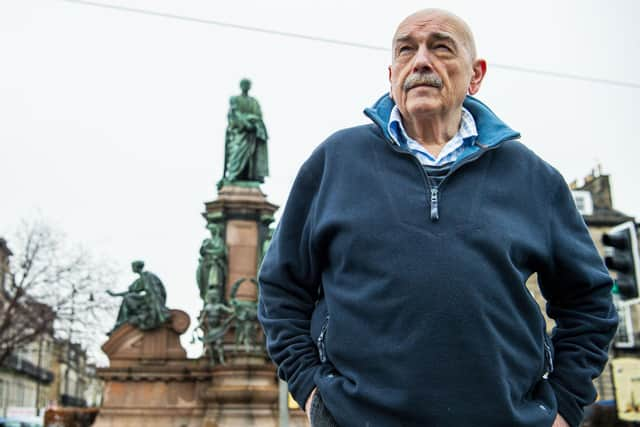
(435,215)
(321,338)
(547,352)
(435,191)
(548,358)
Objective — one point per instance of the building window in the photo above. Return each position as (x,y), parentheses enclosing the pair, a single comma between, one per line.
(19,394)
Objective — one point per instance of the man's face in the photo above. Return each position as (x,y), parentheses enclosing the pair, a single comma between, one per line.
(433,66)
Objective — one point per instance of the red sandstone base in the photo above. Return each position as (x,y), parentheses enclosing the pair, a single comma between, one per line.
(151,383)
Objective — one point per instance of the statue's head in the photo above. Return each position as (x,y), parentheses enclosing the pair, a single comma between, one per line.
(213,294)
(137,266)
(213,228)
(245,85)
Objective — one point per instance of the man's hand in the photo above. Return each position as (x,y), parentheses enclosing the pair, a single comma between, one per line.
(558,422)
(307,404)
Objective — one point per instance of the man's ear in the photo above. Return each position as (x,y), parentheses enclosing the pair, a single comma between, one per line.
(390,91)
(479,71)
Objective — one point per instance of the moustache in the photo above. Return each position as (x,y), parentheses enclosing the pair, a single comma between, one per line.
(422,79)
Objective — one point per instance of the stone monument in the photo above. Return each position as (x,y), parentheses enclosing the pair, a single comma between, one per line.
(150,381)
(244,387)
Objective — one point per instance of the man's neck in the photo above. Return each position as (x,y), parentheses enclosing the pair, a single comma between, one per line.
(433,131)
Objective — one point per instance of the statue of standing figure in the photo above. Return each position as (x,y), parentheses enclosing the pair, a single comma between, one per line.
(214,322)
(212,266)
(143,304)
(245,314)
(246,137)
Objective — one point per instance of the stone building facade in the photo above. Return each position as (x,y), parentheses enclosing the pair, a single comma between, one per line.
(25,377)
(35,375)
(75,380)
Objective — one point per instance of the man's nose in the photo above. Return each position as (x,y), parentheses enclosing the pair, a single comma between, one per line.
(422,60)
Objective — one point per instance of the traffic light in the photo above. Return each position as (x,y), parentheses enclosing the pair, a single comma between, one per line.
(621,256)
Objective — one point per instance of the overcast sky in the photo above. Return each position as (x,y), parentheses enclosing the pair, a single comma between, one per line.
(112,121)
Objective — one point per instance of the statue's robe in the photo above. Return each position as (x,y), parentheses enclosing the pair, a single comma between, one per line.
(143,305)
(245,141)
(211,267)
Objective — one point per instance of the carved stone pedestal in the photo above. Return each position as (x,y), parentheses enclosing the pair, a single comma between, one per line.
(150,381)
(244,393)
(246,215)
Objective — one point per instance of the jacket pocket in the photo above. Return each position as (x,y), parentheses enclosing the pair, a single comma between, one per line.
(321,341)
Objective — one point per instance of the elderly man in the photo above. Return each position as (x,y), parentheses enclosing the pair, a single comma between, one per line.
(393,292)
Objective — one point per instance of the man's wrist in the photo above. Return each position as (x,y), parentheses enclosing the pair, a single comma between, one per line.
(307,404)
(560,422)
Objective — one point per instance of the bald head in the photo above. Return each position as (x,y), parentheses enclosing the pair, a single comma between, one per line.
(424,16)
(433,68)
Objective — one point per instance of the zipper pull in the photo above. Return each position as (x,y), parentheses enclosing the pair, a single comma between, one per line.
(434,204)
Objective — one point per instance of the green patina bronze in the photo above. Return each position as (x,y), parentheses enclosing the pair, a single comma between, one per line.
(143,304)
(246,158)
(245,314)
(217,317)
(211,276)
(214,322)
(212,266)
(265,245)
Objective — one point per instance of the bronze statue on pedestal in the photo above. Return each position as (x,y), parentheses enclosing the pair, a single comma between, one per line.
(246,138)
(143,304)
(212,266)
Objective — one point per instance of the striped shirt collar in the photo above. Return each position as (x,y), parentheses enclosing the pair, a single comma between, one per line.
(466,136)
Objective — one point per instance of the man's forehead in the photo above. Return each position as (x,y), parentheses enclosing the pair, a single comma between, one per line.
(438,22)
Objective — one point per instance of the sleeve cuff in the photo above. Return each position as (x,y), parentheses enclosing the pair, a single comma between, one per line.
(567,405)
(303,385)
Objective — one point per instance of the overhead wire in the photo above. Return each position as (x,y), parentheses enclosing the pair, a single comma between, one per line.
(341,42)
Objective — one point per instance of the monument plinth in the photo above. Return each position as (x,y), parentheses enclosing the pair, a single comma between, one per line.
(246,215)
(150,381)
(243,390)
(129,346)
(242,394)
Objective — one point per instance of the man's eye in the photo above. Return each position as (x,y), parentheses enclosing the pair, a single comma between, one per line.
(404,49)
(442,47)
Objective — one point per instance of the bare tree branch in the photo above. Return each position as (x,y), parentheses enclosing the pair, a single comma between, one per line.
(55,288)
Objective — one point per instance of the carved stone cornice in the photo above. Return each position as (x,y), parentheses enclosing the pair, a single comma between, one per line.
(236,201)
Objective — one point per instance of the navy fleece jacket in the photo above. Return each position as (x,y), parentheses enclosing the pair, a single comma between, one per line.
(403,320)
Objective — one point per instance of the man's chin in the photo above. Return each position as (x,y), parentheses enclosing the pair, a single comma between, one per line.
(420,107)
